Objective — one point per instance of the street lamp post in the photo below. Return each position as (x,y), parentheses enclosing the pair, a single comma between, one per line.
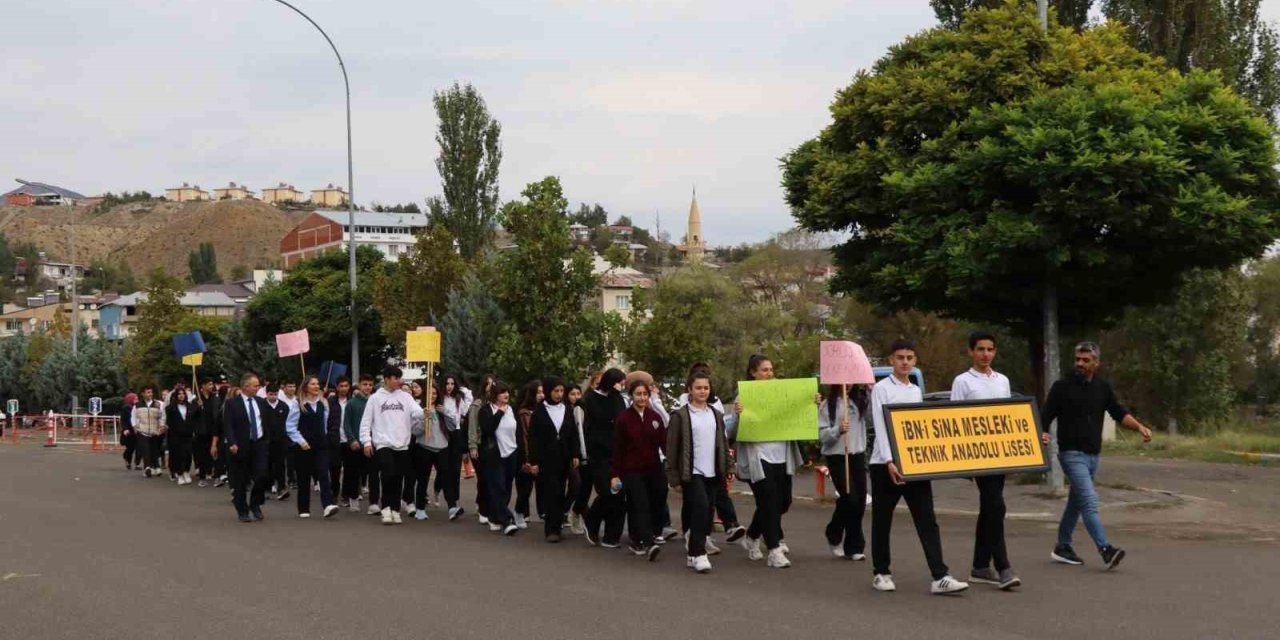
(351,200)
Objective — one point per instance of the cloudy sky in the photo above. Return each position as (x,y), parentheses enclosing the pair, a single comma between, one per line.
(630,102)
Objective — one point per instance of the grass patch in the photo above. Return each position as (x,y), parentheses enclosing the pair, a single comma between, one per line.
(1248,435)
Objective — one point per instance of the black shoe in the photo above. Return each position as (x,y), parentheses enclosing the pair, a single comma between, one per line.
(593,536)
(1111,556)
(1066,555)
(653,552)
(638,550)
(256,512)
(735,533)
(128,466)
(553,538)
(244,517)
(283,496)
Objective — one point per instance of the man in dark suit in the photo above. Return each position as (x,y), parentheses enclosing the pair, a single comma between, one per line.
(244,428)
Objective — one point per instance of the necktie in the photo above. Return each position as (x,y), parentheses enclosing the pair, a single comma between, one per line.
(253,420)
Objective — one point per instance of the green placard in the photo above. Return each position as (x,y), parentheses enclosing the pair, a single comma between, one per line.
(776,410)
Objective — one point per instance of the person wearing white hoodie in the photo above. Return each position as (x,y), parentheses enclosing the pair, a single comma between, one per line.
(385,431)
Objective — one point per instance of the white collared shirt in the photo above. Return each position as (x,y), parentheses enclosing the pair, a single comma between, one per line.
(973,385)
(556,411)
(888,391)
(702,424)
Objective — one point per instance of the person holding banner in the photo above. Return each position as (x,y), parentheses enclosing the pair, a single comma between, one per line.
(359,469)
(697,461)
(429,448)
(602,406)
(768,467)
(210,406)
(500,453)
(636,471)
(385,431)
(1077,403)
(148,424)
(981,382)
(844,443)
(311,437)
(553,454)
(181,418)
(411,478)
(887,486)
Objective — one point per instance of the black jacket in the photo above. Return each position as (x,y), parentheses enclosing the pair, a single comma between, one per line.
(235,420)
(274,420)
(489,421)
(180,427)
(599,412)
(550,449)
(335,421)
(315,425)
(210,423)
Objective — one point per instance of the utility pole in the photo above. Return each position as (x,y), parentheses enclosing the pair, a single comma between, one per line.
(1052,359)
(75,310)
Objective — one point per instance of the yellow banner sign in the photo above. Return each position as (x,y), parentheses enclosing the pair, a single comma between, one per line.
(422,346)
(193,360)
(963,439)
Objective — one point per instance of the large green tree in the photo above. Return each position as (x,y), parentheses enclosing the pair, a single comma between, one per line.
(203,263)
(416,287)
(315,295)
(547,288)
(996,173)
(470,152)
(470,328)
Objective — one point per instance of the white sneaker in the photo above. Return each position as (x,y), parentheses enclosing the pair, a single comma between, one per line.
(778,559)
(373,510)
(304,515)
(354,507)
(406,507)
(395,517)
(883,583)
(575,524)
(712,549)
(782,544)
(186,477)
(752,545)
(386,516)
(701,564)
(420,515)
(670,533)
(454,512)
(482,519)
(493,527)
(331,511)
(510,530)
(947,584)
(858,557)
(837,550)
(521,523)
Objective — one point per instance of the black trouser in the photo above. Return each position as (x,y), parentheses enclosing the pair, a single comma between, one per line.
(336,463)
(553,493)
(482,487)
(646,496)
(851,504)
(773,499)
(372,476)
(204,459)
(724,506)
(696,516)
(312,464)
(180,454)
(524,489)
(607,508)
(353,465)
(223,460)
(278,457)
(501,473)
(421,461)
(449,475)
(149,451)
(393,466)
(249,466)
(131,452)
(582,497)
(988,540)
(884,499)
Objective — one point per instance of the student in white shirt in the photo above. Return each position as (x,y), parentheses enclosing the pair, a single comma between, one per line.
(457,399)
(981,382)
(696,464)
(500,454)
(385,431)
(888,487)
(843,435)
(723,504)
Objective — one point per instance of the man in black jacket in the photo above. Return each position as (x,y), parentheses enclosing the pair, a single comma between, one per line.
(210,421)
(244,420)
(278,415)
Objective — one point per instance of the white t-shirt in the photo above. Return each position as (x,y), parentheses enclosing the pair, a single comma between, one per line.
(887,392)
(702,423)
(773,452)
(972,385)
(506,434)
(556,411)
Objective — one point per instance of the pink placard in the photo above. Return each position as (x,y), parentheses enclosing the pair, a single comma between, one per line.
(845,362)
(293,343)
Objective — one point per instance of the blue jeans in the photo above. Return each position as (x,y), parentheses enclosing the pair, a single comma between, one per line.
(1080,467)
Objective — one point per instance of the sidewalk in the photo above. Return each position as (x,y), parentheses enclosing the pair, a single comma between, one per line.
(1170,498)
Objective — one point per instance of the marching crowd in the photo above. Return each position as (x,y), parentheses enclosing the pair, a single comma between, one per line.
(601,459)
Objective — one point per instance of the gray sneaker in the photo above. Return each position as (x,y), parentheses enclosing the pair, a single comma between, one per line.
(984,576)
(1008,580)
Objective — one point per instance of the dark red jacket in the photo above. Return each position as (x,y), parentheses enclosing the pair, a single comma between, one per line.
(636,443)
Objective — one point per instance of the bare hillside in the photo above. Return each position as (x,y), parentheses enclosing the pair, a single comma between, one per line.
(146,235)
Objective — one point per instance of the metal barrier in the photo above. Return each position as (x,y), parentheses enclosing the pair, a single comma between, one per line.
(98,433)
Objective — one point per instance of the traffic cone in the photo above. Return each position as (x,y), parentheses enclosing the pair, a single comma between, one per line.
(51,437)
(95,441)
(467,471)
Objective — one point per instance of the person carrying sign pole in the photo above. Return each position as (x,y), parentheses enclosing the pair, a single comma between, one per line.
(1078,404)
(888,487)
(844,445)
(768,467)
(981,382)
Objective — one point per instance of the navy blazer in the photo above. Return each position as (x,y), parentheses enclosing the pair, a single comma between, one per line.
(235,420)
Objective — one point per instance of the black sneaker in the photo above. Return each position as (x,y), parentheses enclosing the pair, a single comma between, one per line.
(256,512)
(284,495)
(1066,555)
(244,517)
(1111,556)
(638,550)
(735,533)
(653,552)
(592,536)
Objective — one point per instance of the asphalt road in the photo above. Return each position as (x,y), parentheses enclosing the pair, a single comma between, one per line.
(88,550)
